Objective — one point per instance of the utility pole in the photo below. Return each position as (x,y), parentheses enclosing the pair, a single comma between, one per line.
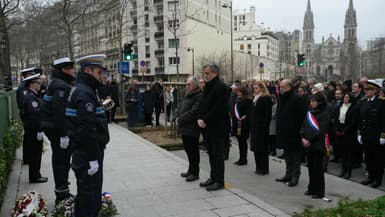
(231,35)
(193,58)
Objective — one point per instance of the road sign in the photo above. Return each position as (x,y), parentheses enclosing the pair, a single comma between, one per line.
(261,65)
(142,63)
(124,67)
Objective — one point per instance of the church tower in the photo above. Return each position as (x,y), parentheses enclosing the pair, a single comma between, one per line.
(308,37)
(350,42)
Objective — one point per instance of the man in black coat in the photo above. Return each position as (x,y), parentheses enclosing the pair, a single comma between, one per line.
(290,115)
(212,118)
(54,123)
(371,133)
(158,92)
(186,119)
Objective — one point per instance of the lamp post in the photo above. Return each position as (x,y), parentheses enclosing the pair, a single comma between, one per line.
(231,34)
(193,63)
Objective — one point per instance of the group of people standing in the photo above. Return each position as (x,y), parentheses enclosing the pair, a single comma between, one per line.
(70,113)
(308,121)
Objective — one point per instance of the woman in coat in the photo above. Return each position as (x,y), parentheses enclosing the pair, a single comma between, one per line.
(148,105)
(260,116)
(241,109)
(273,127)
(313,133)
(345,127)
(131,100)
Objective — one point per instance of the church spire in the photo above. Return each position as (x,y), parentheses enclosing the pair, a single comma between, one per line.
(309,19)
(351,16)
(308,5)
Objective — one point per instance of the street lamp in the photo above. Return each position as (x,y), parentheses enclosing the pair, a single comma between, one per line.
(193,65)
(231,33)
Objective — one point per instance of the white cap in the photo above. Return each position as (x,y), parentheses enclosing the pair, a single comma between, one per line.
(95,60)
(319,86)
(61,61)
(32,77)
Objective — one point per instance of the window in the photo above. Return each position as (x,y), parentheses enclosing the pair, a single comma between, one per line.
(259,53)
(173,24)
(147,40)
(173,5)
(241,47)
(172,43)
(259,46)
(173,60)
(249,46)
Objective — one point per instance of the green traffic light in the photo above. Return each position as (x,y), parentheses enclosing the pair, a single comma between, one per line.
(128,57)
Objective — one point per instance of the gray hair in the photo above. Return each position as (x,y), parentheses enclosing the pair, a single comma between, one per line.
(194,81)
(288,82)
(213,67)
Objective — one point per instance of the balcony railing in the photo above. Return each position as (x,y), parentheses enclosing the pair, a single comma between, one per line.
(158,19)
(159,52)
(159,35)
(158,2)
(159,70)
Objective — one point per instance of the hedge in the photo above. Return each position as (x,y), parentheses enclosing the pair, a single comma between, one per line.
(347,208)
(12,140)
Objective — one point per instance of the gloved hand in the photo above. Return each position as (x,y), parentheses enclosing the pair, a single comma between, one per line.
(64,142)
(382,141)
(94,167)
(40,136)
(359,139)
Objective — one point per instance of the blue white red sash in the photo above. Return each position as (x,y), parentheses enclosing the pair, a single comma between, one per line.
(239,120)
(314,125)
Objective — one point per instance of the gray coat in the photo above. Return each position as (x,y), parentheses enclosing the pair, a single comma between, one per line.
(273,124)
(187,114)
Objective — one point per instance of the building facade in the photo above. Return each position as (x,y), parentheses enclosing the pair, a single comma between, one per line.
(331,58)
(169,36)
(290,44)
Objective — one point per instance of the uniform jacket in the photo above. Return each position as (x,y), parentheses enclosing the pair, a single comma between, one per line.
(214,108)
(87,123)
(187,114)
(371,119)
(316,139)
(55,101)
(260,116)
(32,114)
(21,92)
(290,115)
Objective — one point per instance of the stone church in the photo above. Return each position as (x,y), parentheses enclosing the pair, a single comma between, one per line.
(333,58)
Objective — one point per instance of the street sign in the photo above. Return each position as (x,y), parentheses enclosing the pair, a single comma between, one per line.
(124,68)
(261,71)
(261,65)
(142,63)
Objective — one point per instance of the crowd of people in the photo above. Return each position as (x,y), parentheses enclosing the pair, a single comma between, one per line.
(312,122)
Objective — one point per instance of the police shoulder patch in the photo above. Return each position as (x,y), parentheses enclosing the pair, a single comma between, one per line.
(35,104)
(25,92)
(90,107)
(61,93)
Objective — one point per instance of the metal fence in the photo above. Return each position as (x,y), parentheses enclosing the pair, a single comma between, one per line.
(8,111)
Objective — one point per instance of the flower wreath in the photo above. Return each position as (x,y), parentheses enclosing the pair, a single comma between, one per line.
(30,205)
(66,207)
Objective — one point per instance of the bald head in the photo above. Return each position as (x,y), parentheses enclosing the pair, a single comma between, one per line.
(285,86)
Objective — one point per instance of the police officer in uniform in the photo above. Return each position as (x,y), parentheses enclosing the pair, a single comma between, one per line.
(88,133)
(54,103)
(371,133)
(32,125)
(21,92)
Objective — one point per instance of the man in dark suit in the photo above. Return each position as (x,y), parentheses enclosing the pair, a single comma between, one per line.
(371,133)
(212,117)
(290,115)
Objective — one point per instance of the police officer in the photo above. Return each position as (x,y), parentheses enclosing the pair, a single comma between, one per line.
(371,133)
(32,126)
(21,92)
(54,103)
(88,133)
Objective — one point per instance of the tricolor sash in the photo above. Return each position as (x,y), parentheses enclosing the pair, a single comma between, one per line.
(314,125)
(239,120)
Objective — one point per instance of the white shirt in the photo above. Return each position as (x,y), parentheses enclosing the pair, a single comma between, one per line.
(343,110)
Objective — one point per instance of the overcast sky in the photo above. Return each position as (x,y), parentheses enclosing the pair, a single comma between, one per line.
(329,16)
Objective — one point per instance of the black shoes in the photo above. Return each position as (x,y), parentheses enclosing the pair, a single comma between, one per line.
(292,183)
(283,179)
(375,184)
(206,183)
(342,173)
(192,178)
(367,181)
(261,173)
(184,175)
(316,197)
(215,186)
(240,163)
(308,193)
(39,180)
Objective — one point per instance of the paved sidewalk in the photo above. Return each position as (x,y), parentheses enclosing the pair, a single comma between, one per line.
(144,181)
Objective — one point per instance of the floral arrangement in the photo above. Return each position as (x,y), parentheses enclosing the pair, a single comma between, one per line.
(30,205)
(66,207)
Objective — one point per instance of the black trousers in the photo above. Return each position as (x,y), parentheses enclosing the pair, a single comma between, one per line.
(158,110)
(293,162)
(358,152)
(216,151)
(338,147)
(374,159)
(316,173)
(148,119)
(273,144)
(113,112)
(261,162)
(191,146)
(89,195)
(25,147)
(61,164)
(35,149)
(242,144)
(348,153)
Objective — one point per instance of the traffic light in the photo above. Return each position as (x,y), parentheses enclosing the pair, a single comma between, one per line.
(301,60)
(127,52)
